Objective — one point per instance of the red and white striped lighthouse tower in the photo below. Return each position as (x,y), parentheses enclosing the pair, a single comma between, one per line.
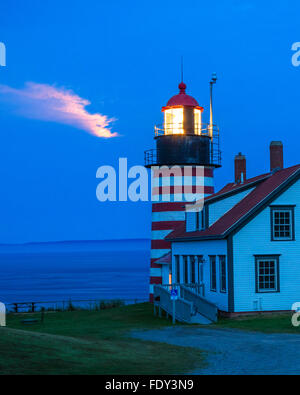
(187,151)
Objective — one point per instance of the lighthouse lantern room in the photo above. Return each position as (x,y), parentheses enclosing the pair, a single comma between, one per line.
(182,114)
(184,141)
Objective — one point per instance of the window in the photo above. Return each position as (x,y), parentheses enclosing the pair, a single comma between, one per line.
(222,266)
(267,273)
(200,268)
(282,223)
(177,268)
(170,275)
(174,121)
(197,120)
(203,217)
(193,269)
(213,273)
(200,219)
(185,268)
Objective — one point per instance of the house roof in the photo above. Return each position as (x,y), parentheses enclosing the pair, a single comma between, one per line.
(264,191)
(166,259)
(232,188)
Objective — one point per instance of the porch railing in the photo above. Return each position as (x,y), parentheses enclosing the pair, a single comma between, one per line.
(190,301)
(201,305)
(198,288)
(183,310)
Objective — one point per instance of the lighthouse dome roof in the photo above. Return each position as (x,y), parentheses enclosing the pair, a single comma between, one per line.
(182,99)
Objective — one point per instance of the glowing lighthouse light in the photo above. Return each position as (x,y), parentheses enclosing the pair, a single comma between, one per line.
(182,114)
(197,121)
(174,121)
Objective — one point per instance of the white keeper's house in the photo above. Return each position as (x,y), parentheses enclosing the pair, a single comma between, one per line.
(244,246)
(241,253)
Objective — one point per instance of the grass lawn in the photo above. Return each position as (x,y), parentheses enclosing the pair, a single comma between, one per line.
(267,323)
(86,342)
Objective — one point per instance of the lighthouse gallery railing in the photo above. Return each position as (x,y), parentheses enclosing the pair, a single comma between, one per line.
(151,157)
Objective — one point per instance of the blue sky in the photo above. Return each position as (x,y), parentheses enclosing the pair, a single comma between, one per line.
(124,58)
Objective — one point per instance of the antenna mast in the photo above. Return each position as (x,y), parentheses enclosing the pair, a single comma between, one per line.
(181,68)
(211,125)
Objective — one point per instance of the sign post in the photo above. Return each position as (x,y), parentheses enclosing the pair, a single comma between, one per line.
(174,297)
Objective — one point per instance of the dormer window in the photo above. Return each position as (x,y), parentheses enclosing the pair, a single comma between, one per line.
(200,220)
(196,220)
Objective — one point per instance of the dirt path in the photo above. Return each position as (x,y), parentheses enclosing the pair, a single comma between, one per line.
(234,351)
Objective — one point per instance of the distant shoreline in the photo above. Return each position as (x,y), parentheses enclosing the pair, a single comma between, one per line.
(34,243)
(88,246)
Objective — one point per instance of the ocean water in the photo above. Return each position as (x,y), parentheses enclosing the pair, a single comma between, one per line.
(74,271)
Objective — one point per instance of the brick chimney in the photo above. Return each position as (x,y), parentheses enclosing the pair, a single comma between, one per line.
(276,155)
(239,169)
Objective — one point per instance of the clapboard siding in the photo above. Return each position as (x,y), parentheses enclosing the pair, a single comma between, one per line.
(206,248)
(220,207)
(255,239)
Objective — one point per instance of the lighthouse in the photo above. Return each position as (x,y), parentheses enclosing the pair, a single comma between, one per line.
(182,166)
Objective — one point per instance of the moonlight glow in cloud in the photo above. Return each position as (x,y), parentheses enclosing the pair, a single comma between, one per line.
(50,103)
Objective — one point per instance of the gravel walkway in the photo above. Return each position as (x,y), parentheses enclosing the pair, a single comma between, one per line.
(233,351)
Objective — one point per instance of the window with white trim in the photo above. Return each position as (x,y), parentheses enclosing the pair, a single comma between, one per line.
(177,268)
(193,269)
(223,279)
(267,274)
(198,213)
(185,269)
(282,222)
(200,268)
(213,273)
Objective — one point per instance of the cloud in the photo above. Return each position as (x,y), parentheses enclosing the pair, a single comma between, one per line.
(50,103)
